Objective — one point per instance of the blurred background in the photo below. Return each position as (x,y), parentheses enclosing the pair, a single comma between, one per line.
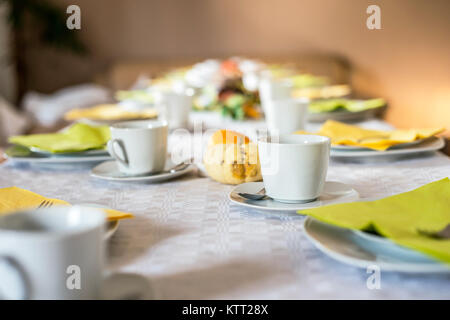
(407,62)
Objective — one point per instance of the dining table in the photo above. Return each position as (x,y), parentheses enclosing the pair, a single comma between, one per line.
(190,242)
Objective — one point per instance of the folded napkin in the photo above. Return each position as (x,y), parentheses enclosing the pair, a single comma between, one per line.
(345,134)
(15,199)
(78,137)
(109,112)
(400,218)
(330,105)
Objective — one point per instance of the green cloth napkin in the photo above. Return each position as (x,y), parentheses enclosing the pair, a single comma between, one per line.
(330,105)
(399,217)
(78,137)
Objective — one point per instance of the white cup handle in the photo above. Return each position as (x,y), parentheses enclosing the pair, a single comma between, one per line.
(126,286)
(13,281)
(111,145)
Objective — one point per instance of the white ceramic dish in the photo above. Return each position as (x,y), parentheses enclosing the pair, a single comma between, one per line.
(59,160)
(334,192)
(109,170)
(96,152)
(429,145)
(355,148)
(349,247)
(18,154)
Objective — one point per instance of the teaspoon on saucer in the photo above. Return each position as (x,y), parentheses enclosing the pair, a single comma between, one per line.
(254,196)
(178,167)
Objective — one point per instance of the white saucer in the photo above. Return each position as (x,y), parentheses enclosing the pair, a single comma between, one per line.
(334,192)
(351,248)
(109,170)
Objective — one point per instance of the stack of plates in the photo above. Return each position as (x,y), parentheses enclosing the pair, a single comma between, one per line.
(397,152)
(365,250)
(19,154)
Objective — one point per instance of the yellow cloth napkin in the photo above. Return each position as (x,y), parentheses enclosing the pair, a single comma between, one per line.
(399,218)
(78,137)
(109,112)
(345,134)
(15,199)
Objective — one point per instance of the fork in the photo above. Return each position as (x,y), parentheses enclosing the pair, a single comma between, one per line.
(45,204)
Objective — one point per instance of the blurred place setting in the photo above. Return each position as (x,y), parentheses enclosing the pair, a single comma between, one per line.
(224,150)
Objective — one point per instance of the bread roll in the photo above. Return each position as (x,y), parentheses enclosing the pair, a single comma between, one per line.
(232,158)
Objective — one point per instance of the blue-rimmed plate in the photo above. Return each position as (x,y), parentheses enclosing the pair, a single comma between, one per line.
(363,251)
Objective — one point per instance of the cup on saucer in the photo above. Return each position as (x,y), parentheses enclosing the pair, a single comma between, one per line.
(285,116)
(139,147)
(56,253)
(294,166)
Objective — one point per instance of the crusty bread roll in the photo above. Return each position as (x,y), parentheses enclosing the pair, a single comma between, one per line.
(232,158)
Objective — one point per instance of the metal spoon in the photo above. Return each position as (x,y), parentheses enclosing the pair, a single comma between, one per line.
(254,196)
(178,167)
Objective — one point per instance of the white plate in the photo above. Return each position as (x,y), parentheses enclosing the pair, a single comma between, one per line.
(109,170)
(95,152)
(45,159)
(334,192)
(344,115)
(397,146)
(348,247)
(429,145)
(372,237)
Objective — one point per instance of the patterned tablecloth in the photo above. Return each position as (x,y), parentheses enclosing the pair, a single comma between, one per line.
(191,243)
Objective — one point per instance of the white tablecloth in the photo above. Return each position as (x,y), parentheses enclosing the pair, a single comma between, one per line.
(192,244)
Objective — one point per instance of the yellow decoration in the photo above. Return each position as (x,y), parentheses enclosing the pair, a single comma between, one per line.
(15,199)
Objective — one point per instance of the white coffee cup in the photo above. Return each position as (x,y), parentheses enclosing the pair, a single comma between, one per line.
(41,250)
(174,107)
(139,147)
(58,253)
(285,116)
(294,167)
(273,89)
